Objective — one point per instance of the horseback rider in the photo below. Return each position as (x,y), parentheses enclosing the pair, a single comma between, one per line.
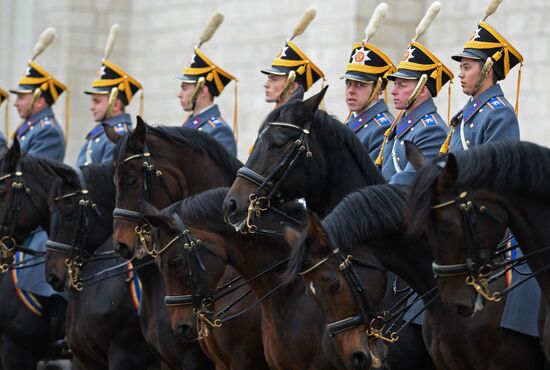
(366,79)
(487,57)
(201,82)
(41,136)
(291,73)
(419,78)
(110,93)
(3,96)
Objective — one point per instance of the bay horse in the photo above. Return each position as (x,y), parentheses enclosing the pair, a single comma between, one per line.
(200,283)
(468,200)
(25,335)
(379,228)
(106,334)
(160,165)
(303,152)
(292,326)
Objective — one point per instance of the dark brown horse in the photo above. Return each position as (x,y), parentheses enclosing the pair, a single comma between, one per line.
(161,165)
(466,204)
(200,283)
(302,151)
(292,326)
(25,337)
(106,334)
(378,220)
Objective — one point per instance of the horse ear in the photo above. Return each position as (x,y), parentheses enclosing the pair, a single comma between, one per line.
(293,237)
(312,104)
(449,174)
(414,155)
(140,132)
(153,216)
(110,132)
(10,159)
(316,237)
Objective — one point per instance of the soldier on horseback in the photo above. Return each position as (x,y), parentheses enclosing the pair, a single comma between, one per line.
(201,82)
(366,79)
(110,93)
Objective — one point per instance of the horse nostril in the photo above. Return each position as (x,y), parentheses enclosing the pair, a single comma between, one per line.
(230,207)
(360,360)
(463,310)
(123,249)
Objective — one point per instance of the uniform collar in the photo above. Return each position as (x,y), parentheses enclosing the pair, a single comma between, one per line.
(113,121)
(355,123)
(474,105)
(202,117)
(34,119)
(408,121)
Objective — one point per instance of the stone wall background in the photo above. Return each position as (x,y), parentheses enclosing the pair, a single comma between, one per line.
(157,38)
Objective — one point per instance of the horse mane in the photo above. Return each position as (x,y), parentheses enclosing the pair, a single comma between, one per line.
(194,139)
(505,167)
(40,165)
(99,177)
(371,213)
(334,133)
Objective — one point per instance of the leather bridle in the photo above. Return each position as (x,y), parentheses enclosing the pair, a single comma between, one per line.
(269,186)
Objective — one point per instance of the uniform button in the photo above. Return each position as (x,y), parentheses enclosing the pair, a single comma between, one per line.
(23,137)
(481,110)
(409,121)
(402,142)
(412,128)
(360,119)
(471,125)
(366,125)
(467,142)
(398,159)
(97,140)
(32,128)
(200,128)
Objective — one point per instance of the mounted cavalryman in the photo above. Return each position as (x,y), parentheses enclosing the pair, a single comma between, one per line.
(366,79)
(110,93)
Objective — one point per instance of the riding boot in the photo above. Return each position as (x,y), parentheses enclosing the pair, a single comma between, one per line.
(56,311)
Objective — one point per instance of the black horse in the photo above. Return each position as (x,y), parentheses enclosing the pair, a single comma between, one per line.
(375,216)
(25,335)
(468,200)
(106,334)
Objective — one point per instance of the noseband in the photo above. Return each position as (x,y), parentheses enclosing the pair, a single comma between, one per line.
(375,325)
(478,265)
(76,251)
(271,184)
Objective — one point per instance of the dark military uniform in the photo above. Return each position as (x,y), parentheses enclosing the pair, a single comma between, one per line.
(98,148)
(490,117)
(370,126)
(425,128)
(210,122)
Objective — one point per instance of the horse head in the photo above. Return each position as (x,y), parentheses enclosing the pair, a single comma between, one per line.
(281,160)
(336,280)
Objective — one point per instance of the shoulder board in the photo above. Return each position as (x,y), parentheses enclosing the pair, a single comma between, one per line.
(121,128)
(382,119)
(46,122)
(215,121)
(429,120)
(495,102)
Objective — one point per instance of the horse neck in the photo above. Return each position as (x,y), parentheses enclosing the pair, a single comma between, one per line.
(41,186)
(409,259)
(345,174)
(196,172)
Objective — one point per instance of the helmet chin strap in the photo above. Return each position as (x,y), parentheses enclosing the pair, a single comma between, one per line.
(375,92)
(198,87)
(484,72)
(36,94)
(289,81)
(410,101)
(113,95)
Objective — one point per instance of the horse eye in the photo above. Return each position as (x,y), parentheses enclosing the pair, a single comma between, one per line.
(177,263)
(334,287)
(130,180)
